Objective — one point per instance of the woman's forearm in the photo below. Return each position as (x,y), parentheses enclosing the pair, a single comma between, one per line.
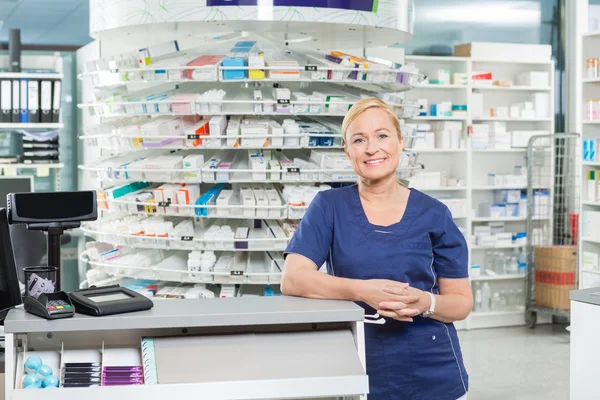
(451,307)
(317,285)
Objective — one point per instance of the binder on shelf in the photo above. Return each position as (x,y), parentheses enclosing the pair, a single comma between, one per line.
(6,101)
(33,101)
(24,116)
(56,101)
(46,101)
(16,101)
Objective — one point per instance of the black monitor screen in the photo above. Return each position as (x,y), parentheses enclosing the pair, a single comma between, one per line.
(55,206)
(14,184)
(10,293)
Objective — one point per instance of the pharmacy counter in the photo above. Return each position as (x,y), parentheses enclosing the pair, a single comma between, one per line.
(240,348)
(585,344)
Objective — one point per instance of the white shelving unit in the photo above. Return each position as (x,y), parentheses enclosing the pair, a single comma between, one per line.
(475,164)
(258,261)
(586,87)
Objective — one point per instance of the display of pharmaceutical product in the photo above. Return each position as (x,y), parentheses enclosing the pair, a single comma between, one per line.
(425,179)
(488,298)
(494,234)
(177,233)
(590,150)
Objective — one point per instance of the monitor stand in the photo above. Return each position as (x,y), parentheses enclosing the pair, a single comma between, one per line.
(54,231)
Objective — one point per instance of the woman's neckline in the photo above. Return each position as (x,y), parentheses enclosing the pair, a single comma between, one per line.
(366,218)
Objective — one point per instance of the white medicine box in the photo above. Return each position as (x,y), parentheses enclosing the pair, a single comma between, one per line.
(538,79)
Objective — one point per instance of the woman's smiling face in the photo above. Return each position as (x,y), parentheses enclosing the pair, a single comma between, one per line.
(373,145)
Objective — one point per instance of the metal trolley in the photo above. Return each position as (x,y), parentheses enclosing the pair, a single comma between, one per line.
(552,207)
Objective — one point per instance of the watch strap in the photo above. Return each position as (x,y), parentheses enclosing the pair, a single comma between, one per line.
(431,310)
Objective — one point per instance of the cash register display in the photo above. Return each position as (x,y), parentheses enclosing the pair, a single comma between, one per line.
(108,297)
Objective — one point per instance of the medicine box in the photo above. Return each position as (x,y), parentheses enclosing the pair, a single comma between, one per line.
(507,196)
(274,201)
(262,202)
(194,163)
(234,73)
(540,79)
(503,52)
(222,202)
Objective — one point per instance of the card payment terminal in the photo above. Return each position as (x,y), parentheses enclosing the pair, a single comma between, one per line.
(107,300)
(50,305)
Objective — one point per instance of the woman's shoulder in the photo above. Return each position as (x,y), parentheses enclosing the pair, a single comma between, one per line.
(336,194)
(428,202)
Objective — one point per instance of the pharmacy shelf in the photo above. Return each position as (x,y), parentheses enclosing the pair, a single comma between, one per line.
(591,80)
(590,271)
(30,75)
(496,319)
(190,243)
(508,219)
(113,268)
(428,118)
(591,163)
(591,34)
(440,86)
(437,59)
(591,203)
(516,62)
(31,126)
(440,189)
(512,150)
(512,119)
(590,240)
(33,166)
(514,187)
(499,219)
(508,277)
(512,88)
(590,122)
(233,211)
(512,246)
(438,151)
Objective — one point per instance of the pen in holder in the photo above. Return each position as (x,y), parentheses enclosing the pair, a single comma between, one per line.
(40,280)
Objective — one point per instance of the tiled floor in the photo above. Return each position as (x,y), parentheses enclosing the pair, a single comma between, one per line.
(517,363)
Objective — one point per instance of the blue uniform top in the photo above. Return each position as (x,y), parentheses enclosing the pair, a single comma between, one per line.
(419,360)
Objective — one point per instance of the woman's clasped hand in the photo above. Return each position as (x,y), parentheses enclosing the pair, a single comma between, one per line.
(395,300)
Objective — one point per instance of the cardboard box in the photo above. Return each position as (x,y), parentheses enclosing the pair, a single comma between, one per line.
(504,51)
(555,275)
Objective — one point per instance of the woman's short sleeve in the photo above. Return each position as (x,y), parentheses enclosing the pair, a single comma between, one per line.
(450,252)
(314,235)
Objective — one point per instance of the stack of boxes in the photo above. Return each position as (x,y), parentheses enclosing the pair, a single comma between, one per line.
(239,56)
(494,235)
(507,203)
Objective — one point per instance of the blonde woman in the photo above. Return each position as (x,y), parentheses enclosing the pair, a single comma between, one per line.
(398,253)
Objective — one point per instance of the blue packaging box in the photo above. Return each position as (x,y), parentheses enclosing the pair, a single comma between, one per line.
(234,73)
(326,141)
(313,141)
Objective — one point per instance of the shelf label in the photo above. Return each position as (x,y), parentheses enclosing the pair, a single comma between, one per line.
(283,101)
(294,170)
(164,204)
(237,273)
(194,137)
(187,238)
(311,68)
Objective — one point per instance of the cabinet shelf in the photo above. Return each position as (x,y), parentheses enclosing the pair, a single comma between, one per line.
(31,126)
(512,88)
(508,277)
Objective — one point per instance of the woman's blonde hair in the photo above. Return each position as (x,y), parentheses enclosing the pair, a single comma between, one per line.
(365,104)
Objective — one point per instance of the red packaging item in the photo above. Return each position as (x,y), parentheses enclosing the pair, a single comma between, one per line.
(483,76)
(199,62)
